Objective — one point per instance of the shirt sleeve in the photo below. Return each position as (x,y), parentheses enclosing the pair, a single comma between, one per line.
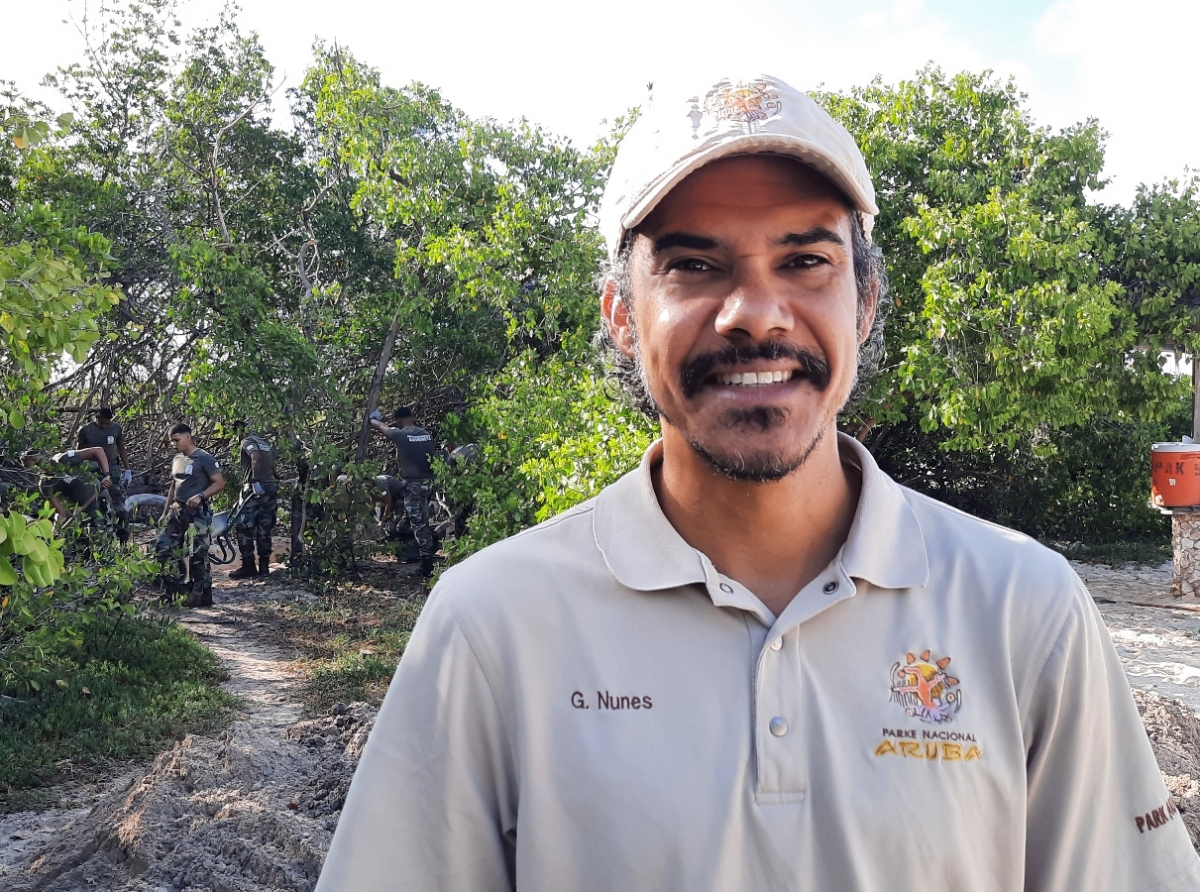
(433,804)
(1099,815)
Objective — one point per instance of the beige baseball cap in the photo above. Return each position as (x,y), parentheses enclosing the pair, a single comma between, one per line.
(677,135)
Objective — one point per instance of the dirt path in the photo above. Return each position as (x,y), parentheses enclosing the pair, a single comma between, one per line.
(260,673)
(254,808)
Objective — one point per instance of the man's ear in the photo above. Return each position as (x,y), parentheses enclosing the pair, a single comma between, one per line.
(866,318)
(617,317)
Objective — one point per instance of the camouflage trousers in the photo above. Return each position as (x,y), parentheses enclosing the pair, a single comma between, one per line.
(118,516)
(182,547)
(255,522)
(416,507)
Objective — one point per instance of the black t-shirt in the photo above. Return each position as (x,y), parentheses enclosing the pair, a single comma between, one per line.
(266,463)
(193,473)
(391,486)
(72,471)
(414,448)
(106,438)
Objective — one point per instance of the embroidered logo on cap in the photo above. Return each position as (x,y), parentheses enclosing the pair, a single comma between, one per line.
(924,688)
(747,104)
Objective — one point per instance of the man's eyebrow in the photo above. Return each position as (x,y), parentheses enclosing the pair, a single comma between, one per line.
(813,236)
(810,237)
(683,240)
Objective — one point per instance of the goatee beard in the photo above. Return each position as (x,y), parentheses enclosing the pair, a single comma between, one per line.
(759,467)
(764,466)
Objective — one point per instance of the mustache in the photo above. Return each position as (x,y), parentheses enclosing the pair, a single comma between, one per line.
(812,365)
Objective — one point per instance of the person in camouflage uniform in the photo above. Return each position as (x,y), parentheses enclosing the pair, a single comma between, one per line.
(106,434)
(256,518)
(414,449)
(69,482)
(182,546)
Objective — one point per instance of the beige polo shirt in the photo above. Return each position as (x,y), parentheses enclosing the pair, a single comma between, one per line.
(589,705)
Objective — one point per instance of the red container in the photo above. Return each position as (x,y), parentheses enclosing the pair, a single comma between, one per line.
(1175,474)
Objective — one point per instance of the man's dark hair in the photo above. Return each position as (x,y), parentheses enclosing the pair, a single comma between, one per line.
(181,428)
(402,412)
(869,275)
(104,412)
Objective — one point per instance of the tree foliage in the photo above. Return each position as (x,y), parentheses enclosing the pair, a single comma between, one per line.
(272,252)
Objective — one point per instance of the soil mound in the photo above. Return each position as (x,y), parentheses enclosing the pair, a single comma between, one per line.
(246,811)
(1174,733)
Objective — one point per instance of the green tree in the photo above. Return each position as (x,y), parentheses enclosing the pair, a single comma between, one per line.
(1012,340)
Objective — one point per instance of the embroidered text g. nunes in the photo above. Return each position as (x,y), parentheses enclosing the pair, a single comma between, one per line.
(609,700)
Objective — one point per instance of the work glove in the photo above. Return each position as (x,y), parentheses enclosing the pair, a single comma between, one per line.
(258,488)
(126,477)
(375,415)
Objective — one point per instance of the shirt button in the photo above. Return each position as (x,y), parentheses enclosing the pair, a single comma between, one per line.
(776,644)
(830,587)
(778,726)
(727,588)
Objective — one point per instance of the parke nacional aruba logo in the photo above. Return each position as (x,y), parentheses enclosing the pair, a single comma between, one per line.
(925,689)
(747,104)
(929,693)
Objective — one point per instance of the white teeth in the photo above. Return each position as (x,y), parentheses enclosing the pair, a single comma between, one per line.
(753,379)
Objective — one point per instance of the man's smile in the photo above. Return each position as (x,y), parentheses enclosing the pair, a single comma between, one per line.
(754,366)
(756,379)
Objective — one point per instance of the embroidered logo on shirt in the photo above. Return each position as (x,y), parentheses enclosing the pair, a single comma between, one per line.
(924,688)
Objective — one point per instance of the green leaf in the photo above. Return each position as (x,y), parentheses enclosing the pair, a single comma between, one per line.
(8,576)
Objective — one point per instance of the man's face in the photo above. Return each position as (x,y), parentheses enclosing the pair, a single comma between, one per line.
(102,421)
(181,442)
(746,311)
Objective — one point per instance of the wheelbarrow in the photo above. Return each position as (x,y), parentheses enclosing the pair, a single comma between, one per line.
(222,549)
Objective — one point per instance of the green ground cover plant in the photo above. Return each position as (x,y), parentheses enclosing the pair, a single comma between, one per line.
(351,638)
(1116,554)
(130,687)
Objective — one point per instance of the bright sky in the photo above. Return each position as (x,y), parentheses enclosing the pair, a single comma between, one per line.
(571,66)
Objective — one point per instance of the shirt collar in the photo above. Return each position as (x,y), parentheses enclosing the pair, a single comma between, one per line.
(643,551)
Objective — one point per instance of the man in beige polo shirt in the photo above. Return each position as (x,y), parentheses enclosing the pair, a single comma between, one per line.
(756,662)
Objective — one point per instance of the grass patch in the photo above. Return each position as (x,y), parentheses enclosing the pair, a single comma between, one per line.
(1116,553)
(132,687)
(351,638)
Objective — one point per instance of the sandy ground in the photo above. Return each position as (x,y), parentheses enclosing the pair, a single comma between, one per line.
(255,808)
(1155,634)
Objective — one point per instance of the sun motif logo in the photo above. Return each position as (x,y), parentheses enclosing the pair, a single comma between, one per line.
(924,688)
(747,104)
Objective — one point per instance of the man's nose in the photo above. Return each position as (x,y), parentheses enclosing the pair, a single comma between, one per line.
(756,307)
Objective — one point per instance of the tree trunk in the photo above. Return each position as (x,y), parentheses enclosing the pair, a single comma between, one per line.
(385,356)
(1196,397)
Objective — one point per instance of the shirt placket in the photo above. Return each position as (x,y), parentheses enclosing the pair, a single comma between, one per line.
(781,733)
